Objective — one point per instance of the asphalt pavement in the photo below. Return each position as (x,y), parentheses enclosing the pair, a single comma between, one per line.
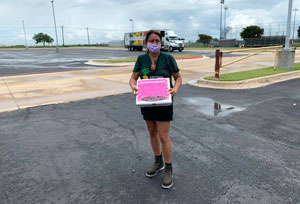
(24,83)
(19,61)
(246,150)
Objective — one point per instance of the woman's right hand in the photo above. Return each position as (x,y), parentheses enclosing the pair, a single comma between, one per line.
(133,81)
(135,90)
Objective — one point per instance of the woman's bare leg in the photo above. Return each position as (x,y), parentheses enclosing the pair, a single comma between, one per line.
(154,138)
(163,129)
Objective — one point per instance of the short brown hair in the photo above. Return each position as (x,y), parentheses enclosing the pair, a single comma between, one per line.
(156,32)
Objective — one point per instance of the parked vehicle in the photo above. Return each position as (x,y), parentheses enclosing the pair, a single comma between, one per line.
(170,41)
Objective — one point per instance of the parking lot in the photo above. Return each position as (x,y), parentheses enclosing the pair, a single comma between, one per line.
(97,150)
(19,61)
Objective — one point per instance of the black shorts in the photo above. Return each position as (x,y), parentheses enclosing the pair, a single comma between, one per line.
(159,113)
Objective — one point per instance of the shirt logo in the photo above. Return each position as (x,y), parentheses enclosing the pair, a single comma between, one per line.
(145,72)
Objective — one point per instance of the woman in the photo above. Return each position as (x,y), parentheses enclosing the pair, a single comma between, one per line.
(156,64)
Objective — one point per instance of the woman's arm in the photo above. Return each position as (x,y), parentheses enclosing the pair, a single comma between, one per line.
(132,82)
(178,82)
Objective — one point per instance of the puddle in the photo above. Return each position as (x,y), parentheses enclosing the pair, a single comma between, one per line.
(209,107)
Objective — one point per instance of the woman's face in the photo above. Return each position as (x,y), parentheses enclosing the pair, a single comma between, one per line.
(154,39)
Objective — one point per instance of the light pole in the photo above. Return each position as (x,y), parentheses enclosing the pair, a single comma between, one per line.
(131,23)
(25,35)
(63,35)
(222,2)
(88,35)
(57,49)
(225,9)
(294,22)
(288,27)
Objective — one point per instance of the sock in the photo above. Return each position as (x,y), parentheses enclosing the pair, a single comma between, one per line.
(158,158)
(168,166)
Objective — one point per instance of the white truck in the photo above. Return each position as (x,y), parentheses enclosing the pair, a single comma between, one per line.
(170,41)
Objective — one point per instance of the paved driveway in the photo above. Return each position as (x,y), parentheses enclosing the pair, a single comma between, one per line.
(97,151)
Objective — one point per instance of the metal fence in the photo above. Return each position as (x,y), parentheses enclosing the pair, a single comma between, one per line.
(264,41)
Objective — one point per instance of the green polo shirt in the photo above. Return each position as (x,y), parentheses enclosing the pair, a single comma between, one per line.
(165,65)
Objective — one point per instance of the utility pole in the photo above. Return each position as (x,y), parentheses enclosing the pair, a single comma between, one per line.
(88,35)
(294,22)
(131,23)
(222,2)
(288,26)
(63,36)
(286,57)
(57,49)
(26,47)
(225,9)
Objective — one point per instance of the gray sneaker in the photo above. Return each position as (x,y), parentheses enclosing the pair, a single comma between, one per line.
(157,166)
(167,178)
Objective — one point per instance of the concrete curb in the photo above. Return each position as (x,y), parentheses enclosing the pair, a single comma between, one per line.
(92,62)
(249,83)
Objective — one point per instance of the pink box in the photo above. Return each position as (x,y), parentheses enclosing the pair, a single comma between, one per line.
(153,92)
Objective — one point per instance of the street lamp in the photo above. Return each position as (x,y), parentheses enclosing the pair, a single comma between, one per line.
(222,2)
(294,22)
(225,9)
(131,23)
(288,27)
(25,35)
(88,35)
(63,35)
(57,49)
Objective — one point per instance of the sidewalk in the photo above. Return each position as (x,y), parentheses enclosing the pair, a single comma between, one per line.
(23,91)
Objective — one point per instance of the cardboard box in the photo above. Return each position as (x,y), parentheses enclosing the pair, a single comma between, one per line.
(153,92)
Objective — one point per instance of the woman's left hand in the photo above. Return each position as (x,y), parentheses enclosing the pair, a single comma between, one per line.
(172,91)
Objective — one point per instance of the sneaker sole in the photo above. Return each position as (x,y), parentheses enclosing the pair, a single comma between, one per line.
(150,176)
(167,187)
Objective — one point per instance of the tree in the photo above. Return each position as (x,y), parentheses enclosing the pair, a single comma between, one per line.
(204,38)
(42,38)
(252,31)
(298,32)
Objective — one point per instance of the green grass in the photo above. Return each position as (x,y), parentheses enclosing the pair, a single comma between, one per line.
(238,76)
(134,59)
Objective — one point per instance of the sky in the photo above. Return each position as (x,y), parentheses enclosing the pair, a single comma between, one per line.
(108,20)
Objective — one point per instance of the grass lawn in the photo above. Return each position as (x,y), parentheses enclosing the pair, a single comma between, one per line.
(238,76)
(134,59)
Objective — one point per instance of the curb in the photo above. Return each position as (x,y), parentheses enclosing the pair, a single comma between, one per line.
(249,83)
(92,62)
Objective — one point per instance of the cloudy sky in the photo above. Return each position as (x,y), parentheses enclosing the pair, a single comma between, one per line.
(109,19)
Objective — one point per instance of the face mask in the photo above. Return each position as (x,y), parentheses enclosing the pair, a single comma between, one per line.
(153,47)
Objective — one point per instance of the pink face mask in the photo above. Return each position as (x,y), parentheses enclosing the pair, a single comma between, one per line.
(153,47)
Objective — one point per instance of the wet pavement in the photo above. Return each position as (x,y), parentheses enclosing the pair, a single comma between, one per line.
(229,146)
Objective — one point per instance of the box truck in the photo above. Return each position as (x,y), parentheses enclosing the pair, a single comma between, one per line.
(170,41)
